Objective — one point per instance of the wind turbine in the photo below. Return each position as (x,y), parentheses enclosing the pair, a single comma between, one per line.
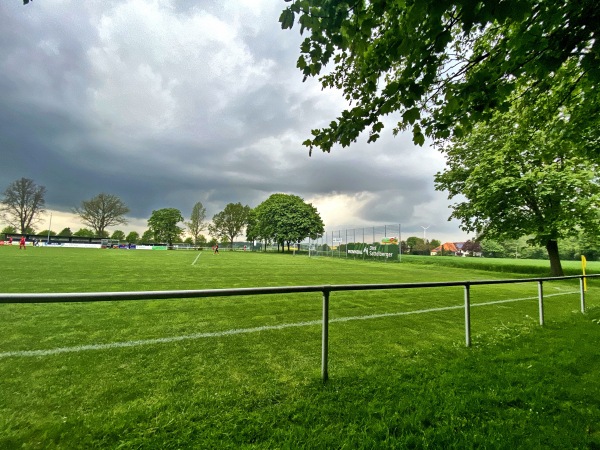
(425,233)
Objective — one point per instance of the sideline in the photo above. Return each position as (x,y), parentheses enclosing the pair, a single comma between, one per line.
(166,340)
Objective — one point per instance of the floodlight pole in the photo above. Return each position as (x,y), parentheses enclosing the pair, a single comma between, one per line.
(49,227)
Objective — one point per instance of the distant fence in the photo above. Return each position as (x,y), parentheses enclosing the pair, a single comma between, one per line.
(380,243)
(326,290)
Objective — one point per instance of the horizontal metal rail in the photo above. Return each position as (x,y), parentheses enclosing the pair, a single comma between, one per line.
(324,289)
(68,297)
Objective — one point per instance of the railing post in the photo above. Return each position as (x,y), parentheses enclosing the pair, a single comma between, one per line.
(541,301)
(325,337)
(467,315)
(582,289)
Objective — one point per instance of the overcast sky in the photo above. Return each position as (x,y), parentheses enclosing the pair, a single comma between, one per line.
(165,103)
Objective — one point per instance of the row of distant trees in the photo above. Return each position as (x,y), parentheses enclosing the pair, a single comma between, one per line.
(281,219)
(506,90)
(571,248)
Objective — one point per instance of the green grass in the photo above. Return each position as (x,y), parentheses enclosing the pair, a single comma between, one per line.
(534,268)
(403,381)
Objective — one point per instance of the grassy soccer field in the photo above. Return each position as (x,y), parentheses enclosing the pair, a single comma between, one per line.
(176,374)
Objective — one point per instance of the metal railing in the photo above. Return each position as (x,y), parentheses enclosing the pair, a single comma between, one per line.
(326,290)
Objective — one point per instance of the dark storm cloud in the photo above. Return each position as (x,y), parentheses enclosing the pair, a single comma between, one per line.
(168,103)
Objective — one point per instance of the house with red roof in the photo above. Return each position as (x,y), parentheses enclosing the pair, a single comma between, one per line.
(447,249)
(457,249)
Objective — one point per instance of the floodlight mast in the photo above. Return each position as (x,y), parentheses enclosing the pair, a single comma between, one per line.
(49,227)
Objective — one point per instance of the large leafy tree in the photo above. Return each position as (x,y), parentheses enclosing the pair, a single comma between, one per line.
(147,237)
(515,179)
(84,232)
(230,222)
(66,232)
(118,235)
(413,241)
(164,225)
(284,219)
(22,203)
(441,66)
(133,237)
(252,231)
(196,223)
(101,212)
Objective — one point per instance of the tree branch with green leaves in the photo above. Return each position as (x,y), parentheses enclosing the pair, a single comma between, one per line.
(513,178)
(439,67)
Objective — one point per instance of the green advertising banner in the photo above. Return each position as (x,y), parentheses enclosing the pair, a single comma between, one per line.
(386,251)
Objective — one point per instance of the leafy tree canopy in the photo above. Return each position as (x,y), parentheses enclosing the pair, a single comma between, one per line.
(471,246)
(133,237)
(516,179)
(147,237)
(163,224)
(434,243)
(441,66)
(66,232)
(84,232)
(230,222)
(413,241)
(285,218)
(118,235)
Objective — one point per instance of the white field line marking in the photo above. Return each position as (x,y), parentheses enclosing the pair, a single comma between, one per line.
(196,259)
(166,340)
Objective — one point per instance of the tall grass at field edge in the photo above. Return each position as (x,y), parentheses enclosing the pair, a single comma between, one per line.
(501,265)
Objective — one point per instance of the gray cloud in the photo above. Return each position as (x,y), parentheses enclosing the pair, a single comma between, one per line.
(169,103)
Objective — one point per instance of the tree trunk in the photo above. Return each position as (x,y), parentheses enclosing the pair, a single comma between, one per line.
(555,265)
